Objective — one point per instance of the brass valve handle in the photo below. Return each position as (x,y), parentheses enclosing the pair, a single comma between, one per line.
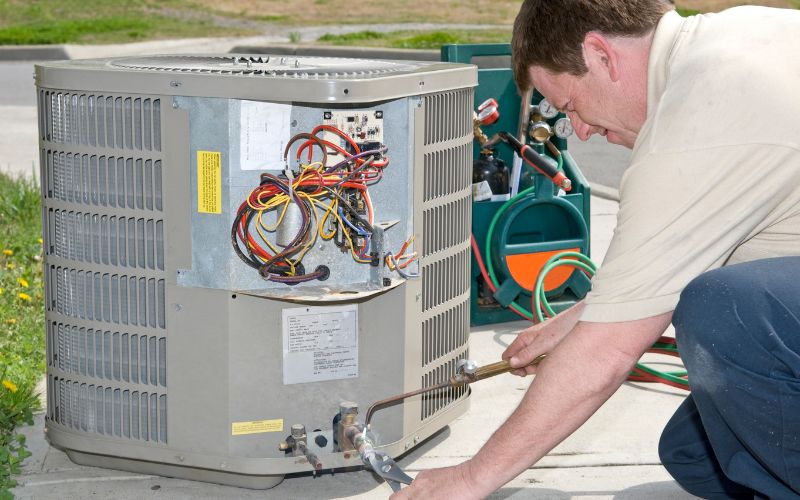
(457,380)
(487,371)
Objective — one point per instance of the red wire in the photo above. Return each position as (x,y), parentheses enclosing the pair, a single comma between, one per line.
(666,352)
(338,132)
(336,147)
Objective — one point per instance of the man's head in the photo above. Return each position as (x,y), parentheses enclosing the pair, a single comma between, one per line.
(589,58)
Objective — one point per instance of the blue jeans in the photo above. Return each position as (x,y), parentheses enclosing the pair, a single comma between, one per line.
(738,434)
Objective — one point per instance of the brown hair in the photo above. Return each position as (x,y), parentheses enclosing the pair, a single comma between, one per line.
(550,33)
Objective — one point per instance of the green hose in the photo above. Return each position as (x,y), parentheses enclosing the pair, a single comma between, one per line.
(488,246)
(585,264)
(568,258)
(560,259)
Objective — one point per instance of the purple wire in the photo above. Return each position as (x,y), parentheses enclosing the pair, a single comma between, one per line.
(362,154)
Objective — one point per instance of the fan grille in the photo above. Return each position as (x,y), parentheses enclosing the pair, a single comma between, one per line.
(272,66)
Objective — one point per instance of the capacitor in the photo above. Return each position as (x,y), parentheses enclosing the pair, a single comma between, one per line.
(290,225)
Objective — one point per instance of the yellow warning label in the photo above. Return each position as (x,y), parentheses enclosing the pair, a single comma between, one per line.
(209,182)
(257,427)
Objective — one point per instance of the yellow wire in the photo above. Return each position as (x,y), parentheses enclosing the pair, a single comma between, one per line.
(271,229)
(329,209)
(310,170)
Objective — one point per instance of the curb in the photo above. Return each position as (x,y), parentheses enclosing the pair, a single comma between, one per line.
(338,51)
(33,53)
(60,52)
(605,192)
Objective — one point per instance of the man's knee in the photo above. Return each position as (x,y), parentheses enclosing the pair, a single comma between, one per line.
(687,455)
(692,465)
(668,447)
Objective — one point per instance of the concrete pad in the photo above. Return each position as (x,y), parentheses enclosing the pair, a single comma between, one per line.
(617,482)
(606,162)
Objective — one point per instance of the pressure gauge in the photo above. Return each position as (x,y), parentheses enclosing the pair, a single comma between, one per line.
(563,128)
(547,110)
(488,102)
(489,114)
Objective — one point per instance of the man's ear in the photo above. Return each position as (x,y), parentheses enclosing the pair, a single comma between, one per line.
(601,54)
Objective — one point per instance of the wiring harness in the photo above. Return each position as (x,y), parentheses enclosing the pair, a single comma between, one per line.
(333,203)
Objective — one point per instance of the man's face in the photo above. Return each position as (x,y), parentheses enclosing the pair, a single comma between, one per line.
(588,101)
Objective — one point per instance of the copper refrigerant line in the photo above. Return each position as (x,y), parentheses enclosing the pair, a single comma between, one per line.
(466,374)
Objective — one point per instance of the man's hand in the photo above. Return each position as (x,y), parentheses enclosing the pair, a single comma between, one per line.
(540,339)
(445,483)
(559,401)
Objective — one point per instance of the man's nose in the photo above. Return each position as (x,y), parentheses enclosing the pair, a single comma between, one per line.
(582,129)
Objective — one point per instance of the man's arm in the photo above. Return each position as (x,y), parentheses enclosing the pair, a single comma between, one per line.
(542,338)
(559,401)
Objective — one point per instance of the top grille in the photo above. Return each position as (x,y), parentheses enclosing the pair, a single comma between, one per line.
(277,66)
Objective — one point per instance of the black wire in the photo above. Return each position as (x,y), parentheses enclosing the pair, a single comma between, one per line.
(310,137)
(271,269)
(361,167)
(366,225)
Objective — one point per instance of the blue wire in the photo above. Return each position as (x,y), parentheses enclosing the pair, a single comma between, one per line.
(360,232)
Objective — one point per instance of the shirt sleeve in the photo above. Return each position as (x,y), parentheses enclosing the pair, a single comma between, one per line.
(683,213)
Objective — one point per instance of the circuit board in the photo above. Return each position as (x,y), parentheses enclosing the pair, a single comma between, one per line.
(365,127)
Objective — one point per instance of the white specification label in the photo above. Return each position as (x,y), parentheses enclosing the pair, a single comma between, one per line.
(320,343)
(265,132)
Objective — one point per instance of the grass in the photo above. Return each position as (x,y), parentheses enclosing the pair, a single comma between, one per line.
(121,21)
(23,22)
(22,353)
(407,39)
(102,21)
(335,12)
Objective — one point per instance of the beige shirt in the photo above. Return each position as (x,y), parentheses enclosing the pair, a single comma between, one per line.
(715,172)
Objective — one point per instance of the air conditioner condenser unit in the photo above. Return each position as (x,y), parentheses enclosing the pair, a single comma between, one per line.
(240,250)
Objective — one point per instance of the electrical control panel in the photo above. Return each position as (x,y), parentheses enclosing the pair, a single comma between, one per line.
(316,200)
(366,128)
